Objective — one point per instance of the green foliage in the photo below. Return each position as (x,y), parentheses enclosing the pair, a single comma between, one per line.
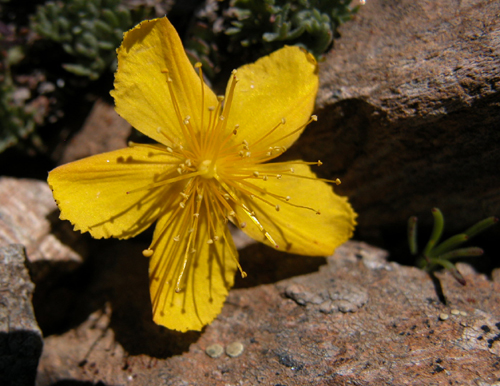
(269,24)
(88,30)
(435,254)
(16,120)
(249,29)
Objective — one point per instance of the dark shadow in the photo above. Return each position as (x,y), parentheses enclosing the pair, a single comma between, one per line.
(71,382)
(19,354)
(115,273)
(438,288)
(265,265)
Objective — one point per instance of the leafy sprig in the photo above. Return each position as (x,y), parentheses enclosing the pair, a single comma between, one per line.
(437,254)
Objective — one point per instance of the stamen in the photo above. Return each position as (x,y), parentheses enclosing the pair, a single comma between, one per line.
(187,133)
(167,181)
(147,252)
(313,118)
(200,73)
(261,227)
(235,258)
(282,122)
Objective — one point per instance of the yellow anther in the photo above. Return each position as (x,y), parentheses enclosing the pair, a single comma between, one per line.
(320,163)
(337,181)
(243,225)
(147,252)
(198,65)
(288,198)
(177,238)
(182,205)
(278,176)
(210,241)
(256,174)
(314,118)
(277,207)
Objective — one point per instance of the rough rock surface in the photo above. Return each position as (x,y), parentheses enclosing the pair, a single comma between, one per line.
(20,337)
(359,320)
(409,113)
(104,130)
(29,216)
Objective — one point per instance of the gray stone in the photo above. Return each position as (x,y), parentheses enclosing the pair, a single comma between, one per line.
(20,338)
(409,114)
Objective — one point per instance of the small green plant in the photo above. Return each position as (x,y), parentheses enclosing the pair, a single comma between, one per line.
(311,24)
(88,30)
(249,29)
(16,117)
(435,255)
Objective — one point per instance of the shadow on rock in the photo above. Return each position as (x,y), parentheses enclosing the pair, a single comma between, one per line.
(71,382)
(266,265)
(19,353)
(116,275)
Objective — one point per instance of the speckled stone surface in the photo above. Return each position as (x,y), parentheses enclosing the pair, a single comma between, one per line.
(358,320)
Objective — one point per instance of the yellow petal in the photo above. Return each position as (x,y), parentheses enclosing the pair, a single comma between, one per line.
(141,92)
(281,85)
(295,225)
(92,192)
(208,275)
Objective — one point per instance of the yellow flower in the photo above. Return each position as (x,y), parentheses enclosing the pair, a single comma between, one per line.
(207,168)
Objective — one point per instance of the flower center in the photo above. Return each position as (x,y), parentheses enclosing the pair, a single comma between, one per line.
(208,169)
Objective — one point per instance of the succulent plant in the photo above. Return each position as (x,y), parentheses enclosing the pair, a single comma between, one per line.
(88,30)
(253,28)
(16,119)
(272,23)
(438,254)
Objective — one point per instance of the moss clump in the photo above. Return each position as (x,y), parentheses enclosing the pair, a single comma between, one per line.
(88,30)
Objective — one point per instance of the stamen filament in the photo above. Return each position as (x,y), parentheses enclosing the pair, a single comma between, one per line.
(282,122)
(313,118)
(168,181)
